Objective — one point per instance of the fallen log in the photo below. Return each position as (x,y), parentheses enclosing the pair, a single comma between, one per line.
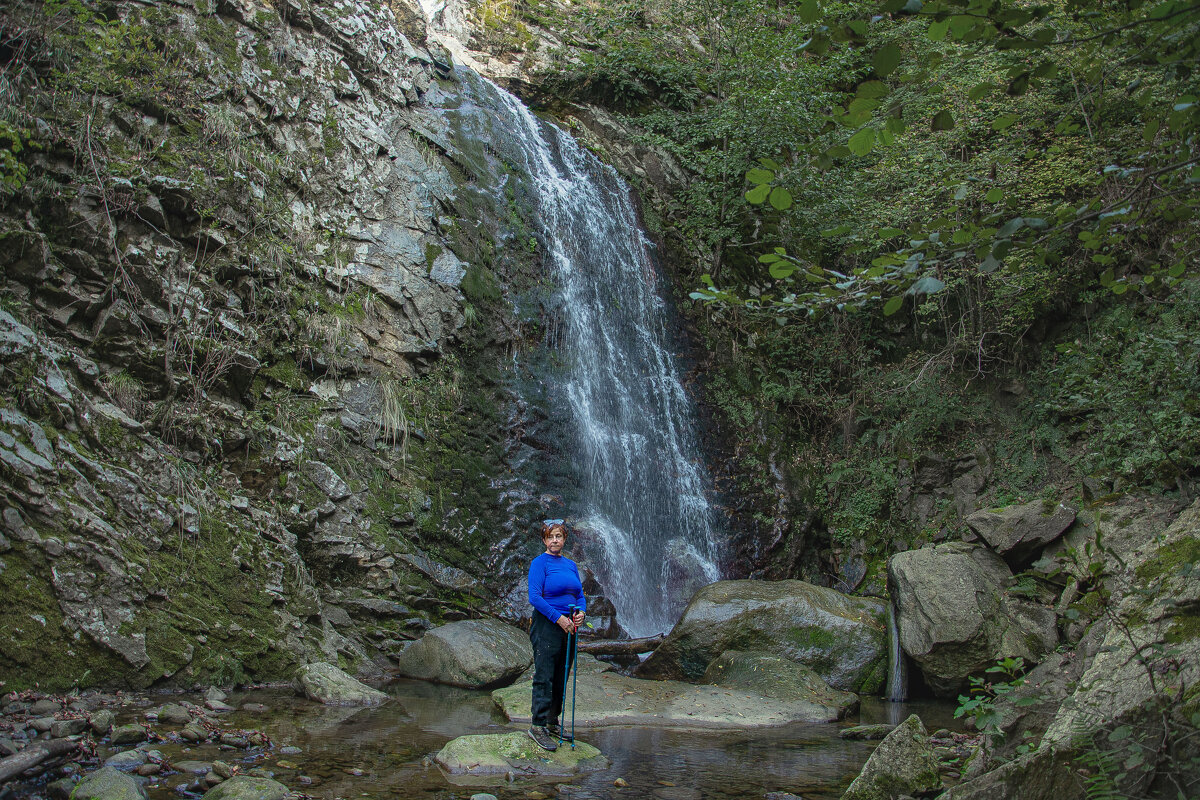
(621,647)
(33,755)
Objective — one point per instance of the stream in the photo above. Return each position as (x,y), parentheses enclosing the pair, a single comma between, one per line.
(386,751)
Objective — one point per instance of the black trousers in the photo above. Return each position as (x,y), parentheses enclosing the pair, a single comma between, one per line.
(551,666)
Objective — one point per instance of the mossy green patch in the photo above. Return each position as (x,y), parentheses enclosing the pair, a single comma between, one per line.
(1170,559)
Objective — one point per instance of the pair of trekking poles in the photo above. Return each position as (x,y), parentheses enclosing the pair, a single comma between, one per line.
(572,644)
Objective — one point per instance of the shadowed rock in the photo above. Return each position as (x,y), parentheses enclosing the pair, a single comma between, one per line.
(902,764)
(472,653)
(327,684)
(503,753)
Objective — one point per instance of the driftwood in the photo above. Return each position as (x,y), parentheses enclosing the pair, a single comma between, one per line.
(33,755)
(620,647)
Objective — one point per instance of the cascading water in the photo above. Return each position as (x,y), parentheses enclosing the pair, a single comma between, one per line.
(640,478)
(897,682)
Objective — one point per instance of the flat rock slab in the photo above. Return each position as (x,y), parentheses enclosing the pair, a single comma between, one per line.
(607,698)
(515,753)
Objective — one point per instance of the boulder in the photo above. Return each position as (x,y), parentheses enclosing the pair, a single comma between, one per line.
(127,761)
(327,684)
(842,638)
(1045,773)
(174,714)
(102,722)
(67,727)
(903,764)
(502,753)
(609,698)
(109,783)
(955,618)
(244,787)
(475,654)
(128,734)
(778,677)
(867,733)
(1018,533)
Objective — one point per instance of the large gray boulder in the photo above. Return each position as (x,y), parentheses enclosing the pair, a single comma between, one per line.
(842,638)
(903,764)
(955,617)
(245,787)
(109,783)
(327,684)
(504,753)
(779,678)
(1018,533)
(477,653)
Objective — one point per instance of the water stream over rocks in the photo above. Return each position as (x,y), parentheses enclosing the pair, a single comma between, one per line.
(384,752)
(640,482)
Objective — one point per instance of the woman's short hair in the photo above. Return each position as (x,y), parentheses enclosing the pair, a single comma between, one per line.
(551,525)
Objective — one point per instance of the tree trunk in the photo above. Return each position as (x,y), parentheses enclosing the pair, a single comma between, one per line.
(621,647)
(33,755)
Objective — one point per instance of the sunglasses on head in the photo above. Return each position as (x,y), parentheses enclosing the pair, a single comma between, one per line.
(552,522)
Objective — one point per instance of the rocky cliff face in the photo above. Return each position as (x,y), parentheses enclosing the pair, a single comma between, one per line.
(256,300)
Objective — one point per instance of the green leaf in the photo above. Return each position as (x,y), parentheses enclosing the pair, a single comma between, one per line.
(1004,121)
(862,142)
(770,164)
(769,258)
(889,233)
(758,176)
(861,104)
(926,285)
(809,11)
(1120,733)
(1177,270)
(758,195)
(1012,226)
(782,269)
(989,264)
(1019,85)
(994,195)
(1120,288)
(892,305)
(1151,129)
(979,90)
(781,199)
(943,121)
(871,89)
(885,60)
(937,30)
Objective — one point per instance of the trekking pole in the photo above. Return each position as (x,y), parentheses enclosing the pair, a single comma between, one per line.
(574,645)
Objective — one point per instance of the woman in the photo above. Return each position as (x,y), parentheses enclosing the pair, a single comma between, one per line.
(556,593)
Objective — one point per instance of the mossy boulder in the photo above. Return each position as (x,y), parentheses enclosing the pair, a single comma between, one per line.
(955,617)
(504,753)
(903,764)
(327,684)
(780,678)
(109,783)
(481,653)
(842,638)
(245,787)
(1019,532)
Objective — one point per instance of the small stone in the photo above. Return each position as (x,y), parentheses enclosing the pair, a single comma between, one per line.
(621,783)
(290,750)
(212,779)
(254,708)
(484,796)
(128,734)
(194,732)
(217,705)
(866,732)
(355,771)
(942,733)
(260,772)
(193,767)
(8,748)
(304,779)
(41,708)
(222,769)
(102,722)
(127,761)
(42,724)
(148,769)
(213,693)
(244,787)
(782,796)
(233,740)
(285,764)
(174,714)
(62,788)
(68,727)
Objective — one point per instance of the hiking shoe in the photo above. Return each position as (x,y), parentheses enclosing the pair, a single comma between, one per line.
(542,737)
(558,732)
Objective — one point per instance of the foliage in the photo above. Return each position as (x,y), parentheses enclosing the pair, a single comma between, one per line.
(980,706)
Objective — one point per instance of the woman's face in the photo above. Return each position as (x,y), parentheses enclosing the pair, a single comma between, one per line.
(555,540)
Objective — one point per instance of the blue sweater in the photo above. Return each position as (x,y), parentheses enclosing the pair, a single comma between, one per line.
(554,586)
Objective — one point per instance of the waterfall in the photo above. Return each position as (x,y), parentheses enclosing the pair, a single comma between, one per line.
(897,682)
(641,482)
